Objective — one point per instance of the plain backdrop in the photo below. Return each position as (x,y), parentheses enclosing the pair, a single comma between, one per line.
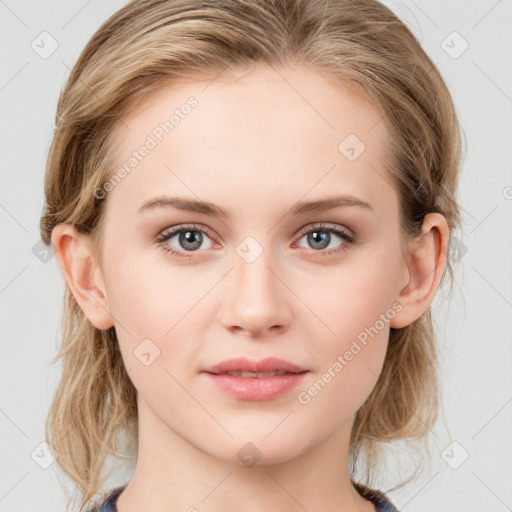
(471,43)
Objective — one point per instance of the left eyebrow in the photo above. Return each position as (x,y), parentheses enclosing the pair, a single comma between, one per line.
(329,203)
(206,208)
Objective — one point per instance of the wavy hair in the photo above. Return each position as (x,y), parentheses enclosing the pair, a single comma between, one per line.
(150,44)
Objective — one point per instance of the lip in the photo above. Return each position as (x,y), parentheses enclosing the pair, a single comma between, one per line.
(268,364)
(255,388)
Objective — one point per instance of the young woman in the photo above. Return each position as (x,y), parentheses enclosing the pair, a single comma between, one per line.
(251,204)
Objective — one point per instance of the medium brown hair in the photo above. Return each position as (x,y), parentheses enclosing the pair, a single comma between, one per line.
(149,44)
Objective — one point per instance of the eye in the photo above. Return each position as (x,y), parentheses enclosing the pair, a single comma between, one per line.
(189,239)
(321,236)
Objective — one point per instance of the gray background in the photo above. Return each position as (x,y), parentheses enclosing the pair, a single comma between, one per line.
(474,325)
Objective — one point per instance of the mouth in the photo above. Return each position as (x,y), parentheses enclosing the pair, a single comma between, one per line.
(258,375)
(245,379)
(247,368)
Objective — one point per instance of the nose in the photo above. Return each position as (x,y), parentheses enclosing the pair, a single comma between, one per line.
(256,299)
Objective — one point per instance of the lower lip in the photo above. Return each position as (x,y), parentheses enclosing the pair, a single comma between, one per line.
(254,388)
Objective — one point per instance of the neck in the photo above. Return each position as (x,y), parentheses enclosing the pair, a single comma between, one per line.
(173,474)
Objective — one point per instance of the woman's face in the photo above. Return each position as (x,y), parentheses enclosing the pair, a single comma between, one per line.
(267,279)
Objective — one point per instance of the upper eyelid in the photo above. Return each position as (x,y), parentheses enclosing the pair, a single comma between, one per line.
(183,227)
(324,226)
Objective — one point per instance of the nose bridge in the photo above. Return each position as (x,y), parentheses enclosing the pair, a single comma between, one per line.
(256,299)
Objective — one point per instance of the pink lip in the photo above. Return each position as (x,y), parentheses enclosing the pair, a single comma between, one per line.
(254,388)
(268,364)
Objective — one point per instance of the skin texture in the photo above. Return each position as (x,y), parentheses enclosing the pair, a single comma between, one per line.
(254,145)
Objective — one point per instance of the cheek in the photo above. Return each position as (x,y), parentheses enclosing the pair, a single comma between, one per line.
(355,307)
(147,296)
(147,311)
(157,310)
(354,295)
(351,353)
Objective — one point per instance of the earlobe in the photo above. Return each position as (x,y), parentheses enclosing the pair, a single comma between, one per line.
(425,267)
(83,276)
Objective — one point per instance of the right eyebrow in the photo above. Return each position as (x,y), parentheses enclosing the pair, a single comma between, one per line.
(189,205)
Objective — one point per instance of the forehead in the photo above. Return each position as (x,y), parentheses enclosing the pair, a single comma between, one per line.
(295,130)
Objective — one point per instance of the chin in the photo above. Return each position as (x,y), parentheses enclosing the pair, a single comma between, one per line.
(259,451)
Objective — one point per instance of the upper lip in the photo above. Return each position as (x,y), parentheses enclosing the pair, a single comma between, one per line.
(268,364)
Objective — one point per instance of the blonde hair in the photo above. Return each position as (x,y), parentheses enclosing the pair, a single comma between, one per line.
(149,44)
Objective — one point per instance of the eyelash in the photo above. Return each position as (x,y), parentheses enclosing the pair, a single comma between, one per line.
(343,234)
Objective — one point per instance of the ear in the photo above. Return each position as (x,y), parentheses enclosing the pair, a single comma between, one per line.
(83,275)
(423,270)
